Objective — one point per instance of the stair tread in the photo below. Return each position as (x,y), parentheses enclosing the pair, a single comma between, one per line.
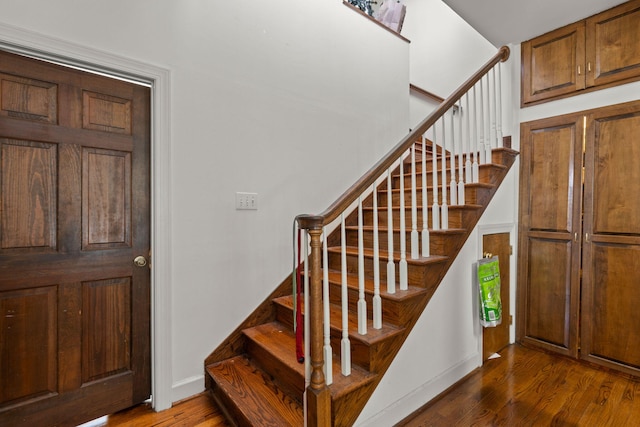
(279,340)
(384,256)
(373,336)
(352,282)
(260,401)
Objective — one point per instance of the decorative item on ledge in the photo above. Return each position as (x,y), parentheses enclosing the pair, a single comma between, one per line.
(363,5)
(391,14)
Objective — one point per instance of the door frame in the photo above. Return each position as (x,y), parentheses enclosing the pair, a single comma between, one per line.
(513,239)
(36,45)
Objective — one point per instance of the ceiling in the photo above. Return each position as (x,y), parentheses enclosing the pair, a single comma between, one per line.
(514,21)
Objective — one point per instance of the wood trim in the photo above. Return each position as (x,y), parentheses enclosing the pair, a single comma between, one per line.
(349,196)
(428,94)
(375,21)
(425,92)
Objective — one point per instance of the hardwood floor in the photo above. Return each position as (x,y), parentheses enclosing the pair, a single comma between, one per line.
(524,387)
(197,411)
(530,388)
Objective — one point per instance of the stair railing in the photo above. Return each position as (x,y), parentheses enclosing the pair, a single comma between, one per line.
(472,114)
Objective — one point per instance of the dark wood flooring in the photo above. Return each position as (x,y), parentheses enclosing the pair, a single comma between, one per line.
(524,387)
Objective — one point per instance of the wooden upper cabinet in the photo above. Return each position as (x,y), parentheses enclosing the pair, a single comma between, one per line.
(613,45)
(552,64)
(598,52)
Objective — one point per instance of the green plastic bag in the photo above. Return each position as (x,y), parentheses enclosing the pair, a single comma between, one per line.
(489,286)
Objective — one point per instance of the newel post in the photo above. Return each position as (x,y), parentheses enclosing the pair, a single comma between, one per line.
(318,395)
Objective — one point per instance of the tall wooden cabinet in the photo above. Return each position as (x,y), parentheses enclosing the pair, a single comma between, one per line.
(579,265)
(594,53)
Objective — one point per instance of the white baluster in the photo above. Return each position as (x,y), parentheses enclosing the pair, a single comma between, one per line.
(391,267)
(377,301)
(467,165)
(415,238)
(491,134)
(345,347)
(307,318)
(326,320)
(444,208)
(461,200)
(425,201)
(499,115)
(435,210)
(481,150)
(453,186)
(403,230)
(362,303)
(475,169)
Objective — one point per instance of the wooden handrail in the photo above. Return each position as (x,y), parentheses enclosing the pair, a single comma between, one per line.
(349,196)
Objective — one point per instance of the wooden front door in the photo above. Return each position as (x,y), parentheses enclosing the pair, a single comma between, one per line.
(74,213)
(496,338)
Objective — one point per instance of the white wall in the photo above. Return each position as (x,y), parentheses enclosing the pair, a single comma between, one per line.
(276,98)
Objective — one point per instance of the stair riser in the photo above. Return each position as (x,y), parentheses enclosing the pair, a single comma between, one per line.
(362,353)
(470,196)
(439,243)
(455,217)
(420,275)
(288,380)
(393,311)
(485,175)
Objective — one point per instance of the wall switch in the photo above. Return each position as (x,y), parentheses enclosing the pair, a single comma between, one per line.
(246,201)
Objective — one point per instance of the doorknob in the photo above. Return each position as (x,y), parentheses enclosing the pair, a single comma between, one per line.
(140,261)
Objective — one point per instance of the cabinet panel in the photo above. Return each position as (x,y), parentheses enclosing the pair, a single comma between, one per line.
(611,263)
(613,51)
(550,64)
(549,250)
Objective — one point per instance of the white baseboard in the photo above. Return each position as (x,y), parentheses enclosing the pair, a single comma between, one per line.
(400,409)
(187,388)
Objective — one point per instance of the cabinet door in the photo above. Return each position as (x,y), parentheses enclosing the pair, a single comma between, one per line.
(550,226)
(611,263)
(613,50)
(553,64)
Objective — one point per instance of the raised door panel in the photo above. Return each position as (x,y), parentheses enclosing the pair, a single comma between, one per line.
(552,64)
(28,180)
(550,201)
(611,331)
(28,348)
(613,51)
(551,168)
(549,273)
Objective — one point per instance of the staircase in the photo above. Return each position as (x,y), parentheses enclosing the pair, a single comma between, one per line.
(254,375)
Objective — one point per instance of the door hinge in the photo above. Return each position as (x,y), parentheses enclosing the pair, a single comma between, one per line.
(510,249)
(510,319)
